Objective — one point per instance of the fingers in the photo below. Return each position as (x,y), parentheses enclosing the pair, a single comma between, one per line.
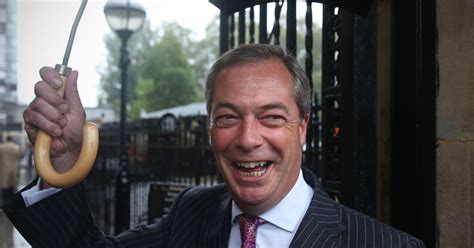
(57,145)
(60,118)
(52,113)
(31,131)
(71,94)
(34,119)
(46,111)
(44,90)
(51,76)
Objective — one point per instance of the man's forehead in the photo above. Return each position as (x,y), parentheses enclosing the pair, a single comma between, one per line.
(265,71)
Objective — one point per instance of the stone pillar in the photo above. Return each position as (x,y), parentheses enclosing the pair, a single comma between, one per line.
(455,124)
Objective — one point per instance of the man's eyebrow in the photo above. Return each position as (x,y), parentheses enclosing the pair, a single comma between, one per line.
(277,105)
(226,105)
(266,107)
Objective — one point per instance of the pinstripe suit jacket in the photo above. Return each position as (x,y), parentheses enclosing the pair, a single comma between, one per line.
(199,217)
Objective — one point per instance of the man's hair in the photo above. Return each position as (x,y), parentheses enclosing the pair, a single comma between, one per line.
(257,53)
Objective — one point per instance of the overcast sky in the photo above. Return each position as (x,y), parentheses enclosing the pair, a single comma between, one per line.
(43,28)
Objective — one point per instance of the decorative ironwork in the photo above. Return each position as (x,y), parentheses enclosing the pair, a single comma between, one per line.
(291,26)
(224,42)
(331,99)
(252,25)
(241,27)
(313,145)
(276,26)
(313,121)
(262,34)
(232,31)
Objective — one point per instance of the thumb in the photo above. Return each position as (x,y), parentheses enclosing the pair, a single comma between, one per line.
(71,94)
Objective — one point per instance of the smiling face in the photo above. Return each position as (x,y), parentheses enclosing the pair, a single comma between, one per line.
(257,133)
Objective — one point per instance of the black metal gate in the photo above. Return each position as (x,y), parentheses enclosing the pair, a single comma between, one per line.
(340,149)
(165,156)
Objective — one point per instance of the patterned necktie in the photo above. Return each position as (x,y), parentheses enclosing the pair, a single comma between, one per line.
(248,229)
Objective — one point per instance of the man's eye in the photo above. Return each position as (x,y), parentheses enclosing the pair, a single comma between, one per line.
(274,120)
(226,121)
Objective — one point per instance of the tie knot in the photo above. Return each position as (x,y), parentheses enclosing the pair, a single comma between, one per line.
(244,219)
(248,229)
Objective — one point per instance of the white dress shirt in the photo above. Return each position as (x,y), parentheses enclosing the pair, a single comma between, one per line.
(34,194)
(283,220)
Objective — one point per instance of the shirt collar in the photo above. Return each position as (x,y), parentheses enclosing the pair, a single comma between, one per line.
(289,211)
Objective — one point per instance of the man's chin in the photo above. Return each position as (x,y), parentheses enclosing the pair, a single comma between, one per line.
(250,197)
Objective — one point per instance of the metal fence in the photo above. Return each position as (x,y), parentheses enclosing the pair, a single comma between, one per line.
(165,156)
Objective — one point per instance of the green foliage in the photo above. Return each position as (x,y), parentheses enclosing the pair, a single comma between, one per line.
(167,68)
(138,46)
(166,78)
(204,52)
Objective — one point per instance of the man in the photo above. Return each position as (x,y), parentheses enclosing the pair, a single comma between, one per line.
(9,155)
(258,102)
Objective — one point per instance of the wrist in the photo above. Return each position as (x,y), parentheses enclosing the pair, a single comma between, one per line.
(43,185)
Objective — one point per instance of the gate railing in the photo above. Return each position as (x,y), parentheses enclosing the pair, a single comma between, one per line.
(160,159)
(340,146)
(283,32)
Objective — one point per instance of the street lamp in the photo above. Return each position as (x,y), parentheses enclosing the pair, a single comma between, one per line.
(124,18)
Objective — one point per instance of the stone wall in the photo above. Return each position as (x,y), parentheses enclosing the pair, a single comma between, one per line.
(455,124)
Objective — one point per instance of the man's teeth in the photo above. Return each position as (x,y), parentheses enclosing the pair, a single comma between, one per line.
(251,165)
(253,174)
(244,167)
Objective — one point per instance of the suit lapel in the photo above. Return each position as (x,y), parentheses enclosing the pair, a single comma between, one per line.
(321,224)
(216,231)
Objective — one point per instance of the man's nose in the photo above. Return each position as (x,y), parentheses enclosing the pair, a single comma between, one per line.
(249,135)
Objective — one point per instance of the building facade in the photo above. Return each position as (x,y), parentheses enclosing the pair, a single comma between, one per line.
(8,78)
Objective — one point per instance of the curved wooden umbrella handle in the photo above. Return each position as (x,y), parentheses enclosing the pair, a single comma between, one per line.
(90,145)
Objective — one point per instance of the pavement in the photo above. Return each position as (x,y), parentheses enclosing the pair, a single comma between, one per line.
(9,236)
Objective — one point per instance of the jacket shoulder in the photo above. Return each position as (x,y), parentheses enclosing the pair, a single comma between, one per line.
(181,226)
(199,214)
(364,230)
(203,195)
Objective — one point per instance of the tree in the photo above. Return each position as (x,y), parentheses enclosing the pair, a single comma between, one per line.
(203,53)
(166,79)
(168,68)
(138,46)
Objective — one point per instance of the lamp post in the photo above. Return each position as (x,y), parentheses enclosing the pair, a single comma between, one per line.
(124,18)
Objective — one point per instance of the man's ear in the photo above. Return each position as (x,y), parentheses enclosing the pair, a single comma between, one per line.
(303,128)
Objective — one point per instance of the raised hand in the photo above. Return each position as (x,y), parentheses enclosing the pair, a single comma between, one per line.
(61,118)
